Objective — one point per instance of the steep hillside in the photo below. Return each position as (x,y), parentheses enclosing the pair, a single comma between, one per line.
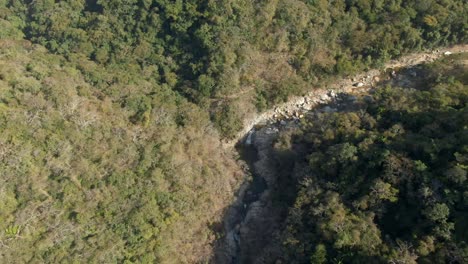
(112,111)
(383,179)
(234,57)
(88,177)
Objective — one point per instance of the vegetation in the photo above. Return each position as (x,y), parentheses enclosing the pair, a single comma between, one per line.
(111,112)
(383,183)
(85,177)
(238,54)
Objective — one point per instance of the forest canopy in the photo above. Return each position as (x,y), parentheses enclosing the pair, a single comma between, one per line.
(385,181)
(239,55)
(112,112)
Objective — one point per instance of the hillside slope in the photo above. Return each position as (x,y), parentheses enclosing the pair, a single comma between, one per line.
(86,177)
(383,179)
(112,112)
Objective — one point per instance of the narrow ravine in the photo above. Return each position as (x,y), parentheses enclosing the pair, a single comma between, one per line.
(251,222)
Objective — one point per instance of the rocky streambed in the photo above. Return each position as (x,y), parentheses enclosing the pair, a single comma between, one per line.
(252,222)
(359,83)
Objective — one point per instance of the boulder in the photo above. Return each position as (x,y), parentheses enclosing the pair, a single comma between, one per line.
(324,97)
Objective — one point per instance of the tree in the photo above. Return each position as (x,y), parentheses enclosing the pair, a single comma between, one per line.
(320,255)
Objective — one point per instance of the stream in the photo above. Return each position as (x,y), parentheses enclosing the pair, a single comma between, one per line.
(252,221)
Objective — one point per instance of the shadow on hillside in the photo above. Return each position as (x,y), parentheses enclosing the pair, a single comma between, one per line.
(228,247)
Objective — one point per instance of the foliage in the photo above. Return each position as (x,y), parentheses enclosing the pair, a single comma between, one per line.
(86,177)
(206,49)
(112,111)
(383,182)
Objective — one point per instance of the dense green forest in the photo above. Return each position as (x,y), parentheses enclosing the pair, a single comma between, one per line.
(231,57)
(385,181)
(84,178)
(111,112)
